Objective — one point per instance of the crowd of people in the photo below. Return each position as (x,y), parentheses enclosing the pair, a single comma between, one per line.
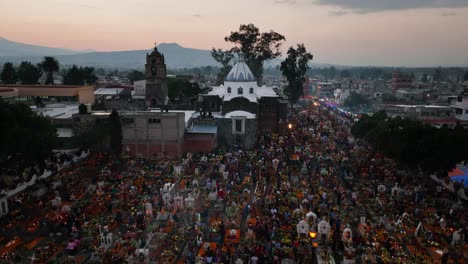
(311,195)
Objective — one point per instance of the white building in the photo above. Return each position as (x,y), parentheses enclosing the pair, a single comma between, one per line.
(460,107)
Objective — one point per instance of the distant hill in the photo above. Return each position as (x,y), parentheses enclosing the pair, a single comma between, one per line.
(10,48)
(175,55)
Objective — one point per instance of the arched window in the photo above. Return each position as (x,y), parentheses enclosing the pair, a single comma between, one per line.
(229,89)
(240,90)
(251,90)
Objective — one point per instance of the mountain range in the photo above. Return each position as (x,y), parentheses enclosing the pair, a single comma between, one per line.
(175,55)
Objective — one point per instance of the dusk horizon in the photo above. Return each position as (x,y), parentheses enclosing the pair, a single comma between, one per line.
(380,33)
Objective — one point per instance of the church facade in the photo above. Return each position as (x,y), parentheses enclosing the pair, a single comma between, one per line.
(156,83)
(242,110)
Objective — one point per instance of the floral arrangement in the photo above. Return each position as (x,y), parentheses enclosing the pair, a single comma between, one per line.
(326,257)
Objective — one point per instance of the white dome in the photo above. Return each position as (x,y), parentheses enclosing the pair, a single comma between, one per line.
(240,72)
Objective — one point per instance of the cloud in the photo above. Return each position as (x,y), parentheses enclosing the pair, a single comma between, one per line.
(448,14)
(285,2)
(86,6)
(337,13)
(367,6)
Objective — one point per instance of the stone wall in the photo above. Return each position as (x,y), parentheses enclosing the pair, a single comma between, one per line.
(248,140)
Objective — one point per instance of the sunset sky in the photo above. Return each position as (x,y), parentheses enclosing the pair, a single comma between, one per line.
(348,32)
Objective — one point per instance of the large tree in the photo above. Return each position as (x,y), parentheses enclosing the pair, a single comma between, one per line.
(25,137)
(135,75)
(438,75)
(294,68)
(465,76)
(224,57)
(413,144)
(255,47)
(50,65)
(79,76)
(183,89)
(355,100)
(9,75)
(29,73)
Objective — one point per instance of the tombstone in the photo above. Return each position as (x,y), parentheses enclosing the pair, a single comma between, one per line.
(91,188)
(149,209)
(287,261)
(239,261)
(347,234)
(56,202)
(457,236)
(302,227)
(212,196)
(195,182)
(311,216)
(189,202)
(179,201)
(167,198)
(363,220)
(324,227)
(222,168)
(178,170)
(3,206)
(100,184)
(107,239)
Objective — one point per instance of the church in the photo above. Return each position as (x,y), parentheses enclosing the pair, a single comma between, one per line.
(241,110)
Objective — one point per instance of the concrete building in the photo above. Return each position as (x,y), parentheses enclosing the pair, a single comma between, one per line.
(460,107)
(422,112)
(150,133)
(401,81)
(56,93)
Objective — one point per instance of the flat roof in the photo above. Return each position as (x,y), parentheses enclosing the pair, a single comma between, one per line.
(109,91)
(57,111)
(202,129)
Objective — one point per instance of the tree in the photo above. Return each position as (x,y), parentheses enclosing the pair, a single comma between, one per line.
(135,75)
(25,137)
(116,133)
(256,47)
(88,75)
(29,73)
(182,89)
(294,68)
(224,57)
(73,76)
(424,78)
(465,76)
(388,98)
(345,74)
(438,75)
(9,75)
(355,99)
(50,65)
(413,144)
(79,76)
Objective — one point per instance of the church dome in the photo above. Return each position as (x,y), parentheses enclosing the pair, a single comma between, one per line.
(240,72)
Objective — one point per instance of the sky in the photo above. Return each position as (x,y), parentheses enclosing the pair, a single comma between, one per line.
(345,32)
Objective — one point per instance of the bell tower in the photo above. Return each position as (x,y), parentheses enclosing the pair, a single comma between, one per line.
(155,75)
